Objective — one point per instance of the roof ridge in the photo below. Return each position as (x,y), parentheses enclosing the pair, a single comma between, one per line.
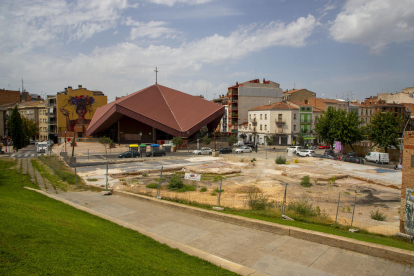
(172,112)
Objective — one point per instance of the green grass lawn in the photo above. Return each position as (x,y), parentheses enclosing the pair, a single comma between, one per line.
(42,236)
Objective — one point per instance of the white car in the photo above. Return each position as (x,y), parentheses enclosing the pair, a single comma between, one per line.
(244,149)
(307,153)
(203,151)
(294,149)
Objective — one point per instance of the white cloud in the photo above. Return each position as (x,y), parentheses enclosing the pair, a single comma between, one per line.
(172,2)
(152,29)
(374,23)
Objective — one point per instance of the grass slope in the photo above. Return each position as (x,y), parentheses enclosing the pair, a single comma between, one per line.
(41,236)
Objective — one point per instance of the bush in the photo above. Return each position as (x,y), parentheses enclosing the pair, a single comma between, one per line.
(304,208)
(144,175)
(296,160)
(242,160)
(202,190)
(256,199)
(253,160)
(152,186)
(232,140)
(216,190)
(306,181)
(378,215)
(175,183)
(187,188)
(280,160)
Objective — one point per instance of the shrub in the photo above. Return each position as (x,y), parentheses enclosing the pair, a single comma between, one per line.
(253,160)
(287,163)
(306,181)
(256,199)
(280,160)
(202,190)
(175,183)
(92,179)
(378,215)
(304,207)
(152,186)
(187,188)
(213,193)
(144,175)
(162,179)
(333,179)
(316,181)
(216,190)
(242,160)
(296,160)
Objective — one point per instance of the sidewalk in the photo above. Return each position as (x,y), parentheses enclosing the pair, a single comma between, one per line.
(265,252)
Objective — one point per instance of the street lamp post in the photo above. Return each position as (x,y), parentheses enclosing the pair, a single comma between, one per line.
(402,138)
(65,140)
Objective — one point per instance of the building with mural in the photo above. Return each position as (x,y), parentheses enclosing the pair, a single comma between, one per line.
(74,109)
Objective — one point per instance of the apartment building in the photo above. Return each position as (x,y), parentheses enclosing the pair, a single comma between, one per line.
(405,96)
(43,122)
(324,104)
(242,97)
(298,95)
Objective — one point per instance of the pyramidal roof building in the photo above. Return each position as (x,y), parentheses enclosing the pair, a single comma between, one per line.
(154,113)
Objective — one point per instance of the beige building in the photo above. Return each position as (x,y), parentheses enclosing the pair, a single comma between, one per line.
(298,95)
(31,111)
(43,122)
(405,96)
(324,104)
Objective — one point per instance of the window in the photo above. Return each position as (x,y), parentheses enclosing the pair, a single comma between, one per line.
(308,109)
(366,111)
(294,116)
(250,126)
(294,127)
(362,112)
(302,109)
(261,116)
(265,127)
(265,116)
(370,112)
(261,127)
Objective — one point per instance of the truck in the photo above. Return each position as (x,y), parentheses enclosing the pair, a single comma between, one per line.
(377,157)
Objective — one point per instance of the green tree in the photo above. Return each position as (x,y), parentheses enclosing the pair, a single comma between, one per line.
(177,141)
(300,140)
(269,140)
(32,128)
(206,140)
(384,129)
(346,128)
(325,127)
(105,141)
(25,137)
(232,140)
(15,128)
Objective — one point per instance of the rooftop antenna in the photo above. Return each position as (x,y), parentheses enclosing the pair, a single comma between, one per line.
(156,74)
(294,84)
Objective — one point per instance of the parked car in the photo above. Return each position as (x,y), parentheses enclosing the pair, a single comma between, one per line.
(129,154)
(327,156)
(155,152)
(294,149)
(329,152)
(225,150)
(203,151)
(353,159)
(378,157)
(308,153)
(51,143)
(250,145)
(32,142)
(324,147)
(239,143)
(244,149)
(351,154)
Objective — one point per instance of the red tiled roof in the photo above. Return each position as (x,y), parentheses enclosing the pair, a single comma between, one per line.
(298,103)
(292,91)
(328,100)
(316,110)
(166,109)
(276,106)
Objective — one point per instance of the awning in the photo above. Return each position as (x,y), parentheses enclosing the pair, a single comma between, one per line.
(309,138)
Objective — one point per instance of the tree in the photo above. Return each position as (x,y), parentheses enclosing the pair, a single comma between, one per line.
(346,128)
(32,128)
(206,140)
(232,140)
(269,140)
(105,141)
(16,129)
(300,140)
(325,126)
(25,137)
(384,129)
(243,136)
(178,141)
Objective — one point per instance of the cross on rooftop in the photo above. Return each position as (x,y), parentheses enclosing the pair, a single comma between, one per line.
(156,73)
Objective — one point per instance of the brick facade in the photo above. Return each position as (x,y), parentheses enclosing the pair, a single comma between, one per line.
(9,96)
(407,172)
(318,104)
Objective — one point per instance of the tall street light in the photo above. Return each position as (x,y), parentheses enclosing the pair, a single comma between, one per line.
(65,140)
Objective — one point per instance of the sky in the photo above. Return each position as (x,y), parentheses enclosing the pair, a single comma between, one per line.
(336,48)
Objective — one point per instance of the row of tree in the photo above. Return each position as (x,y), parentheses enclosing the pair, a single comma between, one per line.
(346,127)
(21,130)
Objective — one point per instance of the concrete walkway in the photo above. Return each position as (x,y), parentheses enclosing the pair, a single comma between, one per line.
(255,250)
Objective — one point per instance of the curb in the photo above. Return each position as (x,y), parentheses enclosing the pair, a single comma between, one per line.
(375,250)
(216,260)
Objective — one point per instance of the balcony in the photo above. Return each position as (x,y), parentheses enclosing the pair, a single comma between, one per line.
(308,121)
(52,122)
(52,104)
(280,121)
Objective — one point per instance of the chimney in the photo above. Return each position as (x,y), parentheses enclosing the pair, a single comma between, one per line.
(237,83)
(264,81)
(79,86)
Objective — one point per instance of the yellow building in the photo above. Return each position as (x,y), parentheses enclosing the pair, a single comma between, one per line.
(75,109)
(43,122)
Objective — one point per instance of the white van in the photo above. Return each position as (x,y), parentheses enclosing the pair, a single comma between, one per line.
(378,157)
(42,147)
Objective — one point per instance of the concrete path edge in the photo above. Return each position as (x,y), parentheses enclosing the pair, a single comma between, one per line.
(226,264)
(371,249)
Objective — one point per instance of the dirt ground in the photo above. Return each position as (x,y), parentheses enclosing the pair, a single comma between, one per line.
(239,172)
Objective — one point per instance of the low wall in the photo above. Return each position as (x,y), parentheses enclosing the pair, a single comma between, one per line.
(363,150)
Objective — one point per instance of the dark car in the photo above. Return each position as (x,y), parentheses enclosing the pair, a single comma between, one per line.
(353,159)
(329,152)
(351,154)
(155,152)
(250,145)
(129,154)
(225,150)
(327,156)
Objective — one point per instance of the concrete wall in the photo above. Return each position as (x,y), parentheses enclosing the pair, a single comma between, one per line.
(246,102)
(396,98)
